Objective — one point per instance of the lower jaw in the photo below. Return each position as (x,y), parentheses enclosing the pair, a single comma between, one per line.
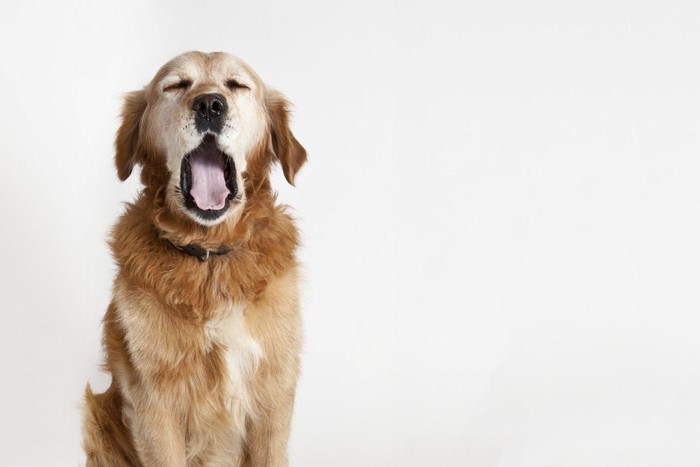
(210,215)
(231,212)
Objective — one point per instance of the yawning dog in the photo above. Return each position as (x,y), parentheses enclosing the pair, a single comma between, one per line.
(202,336)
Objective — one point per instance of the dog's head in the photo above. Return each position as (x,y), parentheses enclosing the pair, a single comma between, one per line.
(203,126)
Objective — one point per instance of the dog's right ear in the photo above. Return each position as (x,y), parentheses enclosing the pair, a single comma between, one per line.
(126,143)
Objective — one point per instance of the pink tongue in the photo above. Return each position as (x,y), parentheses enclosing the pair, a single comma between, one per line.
(208,182)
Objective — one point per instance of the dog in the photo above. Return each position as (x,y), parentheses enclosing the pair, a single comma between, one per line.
(202,336)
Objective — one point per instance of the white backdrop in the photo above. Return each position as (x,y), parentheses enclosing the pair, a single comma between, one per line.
(500,219)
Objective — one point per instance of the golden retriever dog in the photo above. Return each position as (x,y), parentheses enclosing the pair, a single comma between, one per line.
(202,336)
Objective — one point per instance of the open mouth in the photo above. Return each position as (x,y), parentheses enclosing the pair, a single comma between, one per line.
(208,180)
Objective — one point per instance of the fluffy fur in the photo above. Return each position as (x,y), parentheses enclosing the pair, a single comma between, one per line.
(204,355)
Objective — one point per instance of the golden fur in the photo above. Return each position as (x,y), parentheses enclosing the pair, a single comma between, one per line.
(204,355)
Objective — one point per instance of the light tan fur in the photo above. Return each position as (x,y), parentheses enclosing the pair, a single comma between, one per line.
(204,355)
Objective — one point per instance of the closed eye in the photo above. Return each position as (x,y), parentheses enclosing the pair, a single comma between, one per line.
(232,84)
(182,84)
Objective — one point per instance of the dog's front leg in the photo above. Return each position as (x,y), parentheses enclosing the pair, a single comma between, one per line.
(274,321)
(269,433)
(159,433)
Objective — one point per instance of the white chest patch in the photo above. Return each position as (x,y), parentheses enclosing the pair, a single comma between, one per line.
(243,353)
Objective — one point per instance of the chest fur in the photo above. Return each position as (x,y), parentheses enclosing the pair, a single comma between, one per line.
(162,344)
(228,331)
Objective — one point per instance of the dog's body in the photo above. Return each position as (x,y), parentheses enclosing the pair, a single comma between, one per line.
(202,336)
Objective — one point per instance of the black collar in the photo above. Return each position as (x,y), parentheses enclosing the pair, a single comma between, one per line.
(199,252)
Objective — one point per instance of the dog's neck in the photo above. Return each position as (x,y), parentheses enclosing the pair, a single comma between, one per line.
(200,242)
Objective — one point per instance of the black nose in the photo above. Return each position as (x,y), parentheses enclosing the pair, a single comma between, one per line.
(209,112)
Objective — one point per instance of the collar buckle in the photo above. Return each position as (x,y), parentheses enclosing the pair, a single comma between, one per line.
(199,252)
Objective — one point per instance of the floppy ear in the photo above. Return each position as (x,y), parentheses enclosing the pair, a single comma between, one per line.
(290,154)
(126,142)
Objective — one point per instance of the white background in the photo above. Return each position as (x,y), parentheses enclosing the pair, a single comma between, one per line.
(500,220)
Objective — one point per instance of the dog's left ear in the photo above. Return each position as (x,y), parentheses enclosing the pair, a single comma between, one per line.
(290,154)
